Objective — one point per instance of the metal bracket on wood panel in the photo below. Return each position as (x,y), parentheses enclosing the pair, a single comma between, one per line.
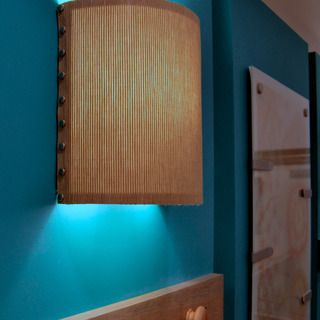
(262,165)
(306,297)
(306,193)
(262,255)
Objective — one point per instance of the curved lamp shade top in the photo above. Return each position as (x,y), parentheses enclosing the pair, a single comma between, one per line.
(129,114)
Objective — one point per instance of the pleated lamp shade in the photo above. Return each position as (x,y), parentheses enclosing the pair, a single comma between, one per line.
(129,114)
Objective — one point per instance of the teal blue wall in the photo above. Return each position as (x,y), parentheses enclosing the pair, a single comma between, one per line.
(60,260)
(246,33)
(224,143)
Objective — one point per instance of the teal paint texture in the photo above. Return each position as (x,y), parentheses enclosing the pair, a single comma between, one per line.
(246,33)
(60,260)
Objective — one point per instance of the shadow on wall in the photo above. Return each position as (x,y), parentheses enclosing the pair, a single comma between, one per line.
(60,260)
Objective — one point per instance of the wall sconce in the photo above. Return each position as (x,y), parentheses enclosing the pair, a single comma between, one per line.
(129,106)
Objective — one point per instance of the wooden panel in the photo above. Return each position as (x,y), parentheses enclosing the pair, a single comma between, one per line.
(281,202)
(302,17)
(171,303)
(133,103)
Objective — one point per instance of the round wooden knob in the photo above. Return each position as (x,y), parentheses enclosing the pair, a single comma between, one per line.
(190,314)
(199,314)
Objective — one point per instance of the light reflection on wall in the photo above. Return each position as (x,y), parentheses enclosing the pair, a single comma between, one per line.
(115,249)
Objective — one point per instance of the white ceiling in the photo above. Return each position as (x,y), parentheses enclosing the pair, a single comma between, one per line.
(303,16)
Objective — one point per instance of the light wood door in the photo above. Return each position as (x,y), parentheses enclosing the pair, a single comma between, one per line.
(281,201)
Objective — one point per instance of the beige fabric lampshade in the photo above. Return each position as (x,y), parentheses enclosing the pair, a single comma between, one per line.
(129,114)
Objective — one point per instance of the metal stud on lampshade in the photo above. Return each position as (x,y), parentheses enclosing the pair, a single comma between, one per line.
(131,96)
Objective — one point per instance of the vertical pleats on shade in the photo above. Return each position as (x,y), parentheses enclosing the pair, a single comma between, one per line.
(133,103)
